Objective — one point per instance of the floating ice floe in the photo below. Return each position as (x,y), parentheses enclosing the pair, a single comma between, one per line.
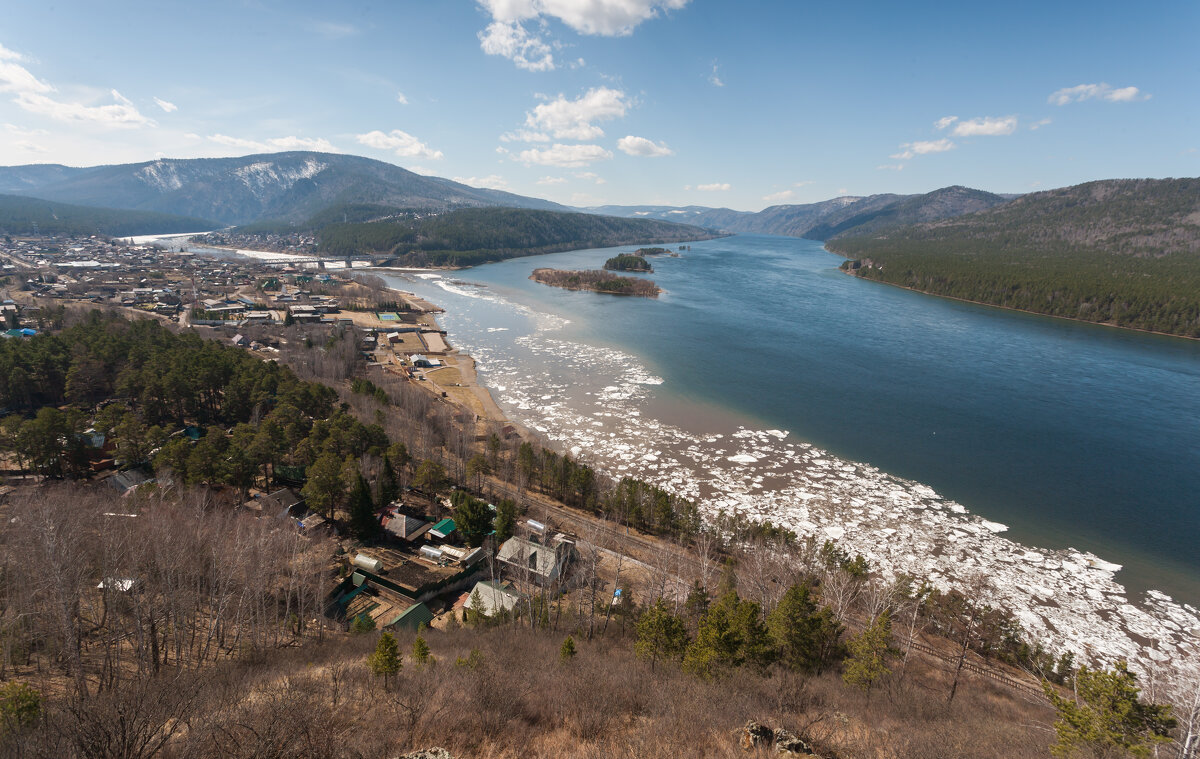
(1065,599)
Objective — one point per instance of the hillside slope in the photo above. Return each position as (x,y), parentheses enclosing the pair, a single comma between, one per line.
(22,216)
(827,219)
(1124,252)
(291,186)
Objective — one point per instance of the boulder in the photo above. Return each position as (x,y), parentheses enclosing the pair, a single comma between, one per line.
(429,753)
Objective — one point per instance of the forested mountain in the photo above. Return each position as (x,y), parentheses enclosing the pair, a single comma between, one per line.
(879,213)
(827,219)
(291,186)
(470,236)
(1125,252)
(21,216)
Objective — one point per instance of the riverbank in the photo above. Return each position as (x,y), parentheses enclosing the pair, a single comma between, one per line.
(1010,309)
(604,405)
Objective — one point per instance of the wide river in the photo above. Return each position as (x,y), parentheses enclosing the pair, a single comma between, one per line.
(1070,434)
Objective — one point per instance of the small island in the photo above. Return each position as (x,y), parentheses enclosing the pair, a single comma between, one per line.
(628,262)
(596,281)
(651,252)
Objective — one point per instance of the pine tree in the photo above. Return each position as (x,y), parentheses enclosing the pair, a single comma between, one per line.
(660,635)
(806,638)
(362,510)
(420,651)
(472,517)
(385,662)
(506,519)
(567,652)
(869,654)
(1108,714)
(730,634)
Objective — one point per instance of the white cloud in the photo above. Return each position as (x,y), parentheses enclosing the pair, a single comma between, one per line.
(778,197)
(1101,91)
(491,182)
(524,135)
(1039,124)
(552,180)
(333,30)
(715,79)
(514,42)
(608,18)
(572,119)
(508,36)
(986,127)
(843,191)
(923,147)
(401,143)
(163,104)
(714,187)
(890,167)
(30,95)
(945,121)
(275,144)
(122,113)
(15,77)
(566,156)
(591,176)
(640,146)
(401,99)
(805,183)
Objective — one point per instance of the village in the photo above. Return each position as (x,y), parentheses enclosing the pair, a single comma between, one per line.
(419,571)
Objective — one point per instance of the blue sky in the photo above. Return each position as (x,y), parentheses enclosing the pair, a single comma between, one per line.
(738,104)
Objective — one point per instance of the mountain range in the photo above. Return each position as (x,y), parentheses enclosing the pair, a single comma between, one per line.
(828,219)
(283,186)
(302,188)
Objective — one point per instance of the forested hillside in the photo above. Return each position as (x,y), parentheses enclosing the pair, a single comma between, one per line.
(476,235)
(21,216)
(1122,252)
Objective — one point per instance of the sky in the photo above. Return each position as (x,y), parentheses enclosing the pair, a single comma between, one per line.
(586,102)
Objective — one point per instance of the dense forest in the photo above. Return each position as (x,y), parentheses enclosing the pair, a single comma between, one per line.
(628,262)
(20,216)
(1122,252)
(472,236)
(596,281)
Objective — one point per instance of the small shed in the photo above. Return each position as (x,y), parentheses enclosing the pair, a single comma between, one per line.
(412,618)
(443,529)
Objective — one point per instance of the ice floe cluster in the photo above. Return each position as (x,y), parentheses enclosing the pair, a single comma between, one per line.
(591,401)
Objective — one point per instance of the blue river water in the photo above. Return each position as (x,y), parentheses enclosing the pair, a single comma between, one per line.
(1071,434)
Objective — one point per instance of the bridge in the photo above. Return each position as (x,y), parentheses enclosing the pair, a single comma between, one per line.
(321,261)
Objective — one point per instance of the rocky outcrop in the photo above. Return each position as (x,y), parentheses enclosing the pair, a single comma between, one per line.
(429,753)
(755,735)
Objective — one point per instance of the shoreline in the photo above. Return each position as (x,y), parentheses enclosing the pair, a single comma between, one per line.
(1010,309)
(1066,598)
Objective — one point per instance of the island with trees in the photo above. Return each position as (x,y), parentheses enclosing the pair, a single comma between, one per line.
(628,262)
(596,281)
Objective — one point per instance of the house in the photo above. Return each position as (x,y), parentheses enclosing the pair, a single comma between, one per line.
(542,563)
(493,597)
(241,341)
(404,526)
(126,482)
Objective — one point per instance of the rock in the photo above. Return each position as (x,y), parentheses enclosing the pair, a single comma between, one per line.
(787,743)
(429,753)
(755,734)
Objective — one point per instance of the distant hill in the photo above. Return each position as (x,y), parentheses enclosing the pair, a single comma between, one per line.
(287,186)
(824,220)
(476,235)
(1123,252)
(19,215)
